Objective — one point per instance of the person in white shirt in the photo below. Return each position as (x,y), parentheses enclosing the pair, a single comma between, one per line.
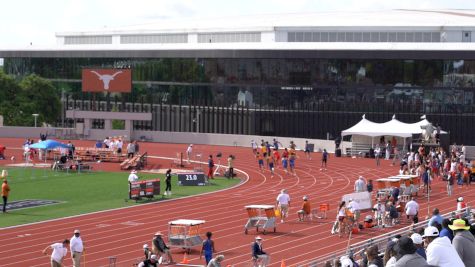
(439,250)
(254,146)
(189,152)
(59,252)
(360,185)
(107,142)
(132,178)
(412,209)
(119,145)
(354,208)
(77,248)
(283,203)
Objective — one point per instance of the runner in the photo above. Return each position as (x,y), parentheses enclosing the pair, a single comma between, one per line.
(254,146)
(285,160)
(270,163)
(260,160)
(307,150)
(292,157)
(276,157)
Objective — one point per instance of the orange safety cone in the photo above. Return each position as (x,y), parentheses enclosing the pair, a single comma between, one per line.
(282,263)
(185,259)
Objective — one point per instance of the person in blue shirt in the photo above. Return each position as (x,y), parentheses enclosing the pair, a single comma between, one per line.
(98,144)
(207,248)
(446,230)
(435,217)
(419,243)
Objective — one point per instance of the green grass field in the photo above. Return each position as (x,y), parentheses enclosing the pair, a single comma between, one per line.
(82,193)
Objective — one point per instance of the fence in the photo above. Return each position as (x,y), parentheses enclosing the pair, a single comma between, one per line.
(356,250)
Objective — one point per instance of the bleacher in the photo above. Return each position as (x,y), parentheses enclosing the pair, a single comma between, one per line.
(137,162)
(356,250)
(92,154)
(357,149)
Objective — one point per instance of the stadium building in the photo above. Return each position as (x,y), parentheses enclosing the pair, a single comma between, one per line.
(297,75)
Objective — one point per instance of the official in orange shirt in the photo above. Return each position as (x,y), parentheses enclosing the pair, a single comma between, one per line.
(5,192)
(306,209)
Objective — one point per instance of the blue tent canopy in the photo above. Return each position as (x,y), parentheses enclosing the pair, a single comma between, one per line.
(48,144)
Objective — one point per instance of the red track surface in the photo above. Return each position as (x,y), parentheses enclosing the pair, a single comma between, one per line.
(110,233)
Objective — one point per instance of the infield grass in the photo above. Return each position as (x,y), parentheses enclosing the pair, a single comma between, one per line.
(83,193)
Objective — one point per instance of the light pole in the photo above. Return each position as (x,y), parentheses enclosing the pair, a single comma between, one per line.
(36,117)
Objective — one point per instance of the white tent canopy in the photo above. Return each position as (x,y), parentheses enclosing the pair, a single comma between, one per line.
(389,128)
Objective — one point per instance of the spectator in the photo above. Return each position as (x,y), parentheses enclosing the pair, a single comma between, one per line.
(407,256)
(258,253)
(419,243)
(412,209)
(210,167)
(464,241)
(160,248)
(345,261)
(360,185)
(152,262)
(208,248)
(132,178)
(98,144)
(374,260)
(59,251)
(168,182)
(390,254)
(379,211)
(137,147)
(445,230)
(435,217)
(216,262)
(440,251)
(306,209)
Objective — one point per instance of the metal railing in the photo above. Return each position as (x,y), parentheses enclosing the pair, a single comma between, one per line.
(356,250)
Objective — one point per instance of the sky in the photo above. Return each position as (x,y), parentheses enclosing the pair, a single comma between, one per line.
(31,21)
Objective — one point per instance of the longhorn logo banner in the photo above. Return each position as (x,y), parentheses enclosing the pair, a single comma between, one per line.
(107,80)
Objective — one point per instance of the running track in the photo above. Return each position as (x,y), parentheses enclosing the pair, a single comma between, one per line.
(121,233)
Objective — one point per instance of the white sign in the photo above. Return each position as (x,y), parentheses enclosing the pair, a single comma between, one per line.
(362,198)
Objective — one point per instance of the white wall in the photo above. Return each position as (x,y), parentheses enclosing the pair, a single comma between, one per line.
(174,137)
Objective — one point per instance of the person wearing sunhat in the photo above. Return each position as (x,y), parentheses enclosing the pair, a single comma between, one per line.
(258,253)
(160,248)
(440,252)
(216,262)
(407,254)
(306,209)
(464,241)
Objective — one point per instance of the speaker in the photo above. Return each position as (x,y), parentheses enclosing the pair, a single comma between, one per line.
(338,153)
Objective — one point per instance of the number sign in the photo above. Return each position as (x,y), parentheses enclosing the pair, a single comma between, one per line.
(192,178)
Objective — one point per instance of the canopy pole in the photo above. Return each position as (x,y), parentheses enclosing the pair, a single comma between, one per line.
(372,141)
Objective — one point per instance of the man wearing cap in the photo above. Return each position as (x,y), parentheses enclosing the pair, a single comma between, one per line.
(439,250)
(258,253)
(419,243)
(59,252)
(360,185)
(412,209)
(464,241)
(283,203)
(152,262)
(132,178)
(77,248)
(306,209)
(5,193)
(407,255)
(159,247)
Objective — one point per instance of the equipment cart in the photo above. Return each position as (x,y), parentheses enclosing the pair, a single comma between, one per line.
(185,233)
(262,216)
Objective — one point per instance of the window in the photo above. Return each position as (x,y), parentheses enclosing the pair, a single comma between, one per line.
(79,40)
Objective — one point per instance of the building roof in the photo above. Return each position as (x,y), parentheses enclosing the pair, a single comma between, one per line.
(401,18)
